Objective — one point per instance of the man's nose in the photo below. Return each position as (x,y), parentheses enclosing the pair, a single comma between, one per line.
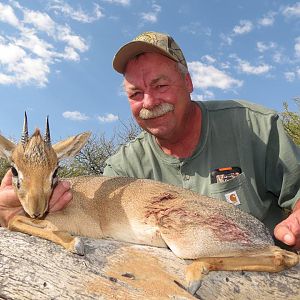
(150,101)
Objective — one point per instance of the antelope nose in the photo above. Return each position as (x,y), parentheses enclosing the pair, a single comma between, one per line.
(35,216)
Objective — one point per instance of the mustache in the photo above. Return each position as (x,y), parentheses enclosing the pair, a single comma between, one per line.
(157,111)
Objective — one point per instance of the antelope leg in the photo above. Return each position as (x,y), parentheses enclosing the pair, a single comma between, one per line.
(46,230)
(270,259)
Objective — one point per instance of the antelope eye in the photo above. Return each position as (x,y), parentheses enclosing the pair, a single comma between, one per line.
(55,173)
(14,171)
(54,178)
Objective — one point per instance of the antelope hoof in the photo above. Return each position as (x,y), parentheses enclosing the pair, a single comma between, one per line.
(78,247)
(194,275)
(193,286)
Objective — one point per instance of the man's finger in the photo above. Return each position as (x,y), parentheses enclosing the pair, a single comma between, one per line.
(61,196)
(9,199)
(7,179)
(284,234)
(63,202)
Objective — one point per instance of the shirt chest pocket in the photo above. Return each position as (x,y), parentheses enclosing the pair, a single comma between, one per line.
(239,192)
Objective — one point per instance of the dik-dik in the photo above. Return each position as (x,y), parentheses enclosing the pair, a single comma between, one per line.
(212,232)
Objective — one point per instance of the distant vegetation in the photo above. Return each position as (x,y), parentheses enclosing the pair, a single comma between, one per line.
(291,121)
(91,159)
(4,165)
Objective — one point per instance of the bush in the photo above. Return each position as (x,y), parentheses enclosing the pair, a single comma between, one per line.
(291,121)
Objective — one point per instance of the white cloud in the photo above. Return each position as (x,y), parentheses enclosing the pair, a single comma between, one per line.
(75,116)
(196,28)
(39,20)
(224,65)
(42,22)
(108,118)
(208,59)
(122,2)
(290,76)
(244,27)
(227,39)
(32,70)
(202,97)
(264,46)
(292,11)
(279,57)
(64,34)
(78,116)
(70,54)
(76,14)
(10,53)
(7,15)
(205,76)
(26,71)
(246,67)
(267,20)
(6,79)
(297,47)
(27,53)
(151,17)
(32,43)
(19,68)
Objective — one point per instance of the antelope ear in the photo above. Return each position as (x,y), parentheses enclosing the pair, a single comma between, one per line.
(6,147)
(71,146)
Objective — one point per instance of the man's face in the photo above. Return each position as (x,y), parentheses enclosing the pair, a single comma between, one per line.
(158,94)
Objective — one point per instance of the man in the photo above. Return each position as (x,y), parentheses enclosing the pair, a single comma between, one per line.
(232,150)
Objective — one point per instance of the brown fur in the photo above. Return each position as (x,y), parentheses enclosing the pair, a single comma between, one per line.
(148,212)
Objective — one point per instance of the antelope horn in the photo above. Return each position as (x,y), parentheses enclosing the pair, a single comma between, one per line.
(24,137)
(47,137)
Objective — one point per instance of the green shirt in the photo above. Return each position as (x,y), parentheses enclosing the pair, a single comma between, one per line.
(233,134)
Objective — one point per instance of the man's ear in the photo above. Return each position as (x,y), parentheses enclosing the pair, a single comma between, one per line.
(189,83)
(71,146)
(6,147)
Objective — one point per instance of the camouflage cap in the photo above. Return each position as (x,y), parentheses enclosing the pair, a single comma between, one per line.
(148,42)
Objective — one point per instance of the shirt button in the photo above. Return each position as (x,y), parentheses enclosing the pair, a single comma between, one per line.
(186,177)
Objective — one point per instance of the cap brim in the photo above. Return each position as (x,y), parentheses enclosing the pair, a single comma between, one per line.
(132,49)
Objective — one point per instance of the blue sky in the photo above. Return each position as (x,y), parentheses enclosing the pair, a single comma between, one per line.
(56,56)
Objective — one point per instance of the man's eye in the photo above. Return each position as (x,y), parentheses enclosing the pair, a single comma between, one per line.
(162,87)
(136,96)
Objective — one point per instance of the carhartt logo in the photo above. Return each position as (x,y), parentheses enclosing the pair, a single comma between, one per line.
(232,198)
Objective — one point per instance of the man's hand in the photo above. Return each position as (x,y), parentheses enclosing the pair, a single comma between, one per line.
(9,202)
(11,206)
(61,196)
(288,231)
